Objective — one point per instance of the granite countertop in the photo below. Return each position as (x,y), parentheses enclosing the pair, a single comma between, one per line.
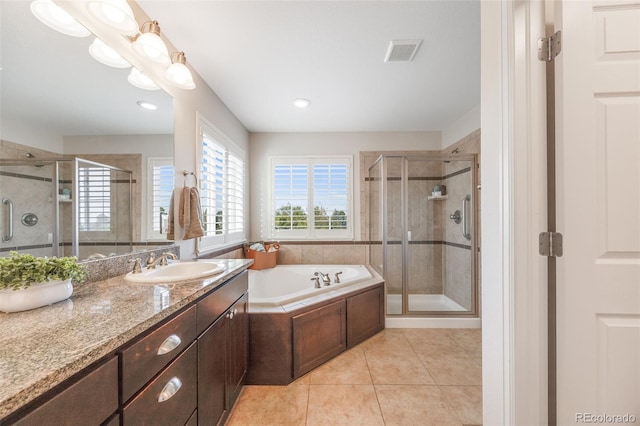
(41,348)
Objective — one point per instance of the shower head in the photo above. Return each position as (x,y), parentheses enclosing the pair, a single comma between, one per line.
(38,164)
(30,155)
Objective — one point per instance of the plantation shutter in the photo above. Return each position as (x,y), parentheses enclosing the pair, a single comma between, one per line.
(94,199)
(311,197)
(161,172)
(290,196)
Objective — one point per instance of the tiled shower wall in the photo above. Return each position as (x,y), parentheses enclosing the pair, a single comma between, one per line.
(37,199)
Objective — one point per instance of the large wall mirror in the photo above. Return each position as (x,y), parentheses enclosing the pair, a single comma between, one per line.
(84,169)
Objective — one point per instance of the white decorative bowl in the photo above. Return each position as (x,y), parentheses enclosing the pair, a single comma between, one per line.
(35,296)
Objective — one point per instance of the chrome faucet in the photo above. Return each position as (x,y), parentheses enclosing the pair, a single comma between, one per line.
(137,268)
(317,280)
(162,260)
(324,277)
(337,279)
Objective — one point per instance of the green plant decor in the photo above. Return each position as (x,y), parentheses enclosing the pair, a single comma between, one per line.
(19,271)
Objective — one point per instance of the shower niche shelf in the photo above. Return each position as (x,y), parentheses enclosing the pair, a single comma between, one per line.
(437,197)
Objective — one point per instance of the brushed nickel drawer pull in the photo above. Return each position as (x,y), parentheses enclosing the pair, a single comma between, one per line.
(170,389)
(169,344)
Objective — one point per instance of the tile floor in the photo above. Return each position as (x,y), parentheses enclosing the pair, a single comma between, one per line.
(397,377)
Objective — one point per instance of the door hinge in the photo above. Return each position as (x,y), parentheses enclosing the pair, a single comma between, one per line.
(550,244)
(549,47)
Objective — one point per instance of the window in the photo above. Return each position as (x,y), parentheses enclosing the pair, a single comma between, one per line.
(311,197)
(222,167)
(94,200)
(160,172)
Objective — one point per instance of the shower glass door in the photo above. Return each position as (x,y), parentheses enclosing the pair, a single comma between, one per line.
(425,205)
(439,248)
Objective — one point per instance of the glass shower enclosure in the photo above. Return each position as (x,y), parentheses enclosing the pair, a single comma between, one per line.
(65,207)
(422,218)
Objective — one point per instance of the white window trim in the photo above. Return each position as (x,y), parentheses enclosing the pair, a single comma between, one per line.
(211,243)
(284,235)
(151,162)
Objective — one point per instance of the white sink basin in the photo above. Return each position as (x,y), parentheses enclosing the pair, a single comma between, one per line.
(179,271)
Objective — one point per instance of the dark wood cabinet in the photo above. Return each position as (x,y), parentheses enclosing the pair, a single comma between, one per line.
(318,336)
(212,358)
(90,401)
(286,345)
(170,398)
(365,315)
(222,362)
(237,348)
(147,356)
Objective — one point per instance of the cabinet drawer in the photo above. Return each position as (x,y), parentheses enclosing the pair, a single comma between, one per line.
(215,304)
(177,384)
(145,358)
(89,401)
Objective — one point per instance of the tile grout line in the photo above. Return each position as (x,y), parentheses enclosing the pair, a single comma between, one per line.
(375,391)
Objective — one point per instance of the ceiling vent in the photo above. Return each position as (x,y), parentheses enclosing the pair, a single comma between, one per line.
(402,50)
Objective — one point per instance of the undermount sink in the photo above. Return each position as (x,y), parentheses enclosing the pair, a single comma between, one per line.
(178,271)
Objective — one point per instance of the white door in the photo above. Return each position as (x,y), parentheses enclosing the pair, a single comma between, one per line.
(598,207)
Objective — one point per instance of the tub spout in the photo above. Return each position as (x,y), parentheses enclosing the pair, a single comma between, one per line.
(324,277)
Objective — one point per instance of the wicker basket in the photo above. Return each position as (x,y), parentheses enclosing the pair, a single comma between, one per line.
(262,260)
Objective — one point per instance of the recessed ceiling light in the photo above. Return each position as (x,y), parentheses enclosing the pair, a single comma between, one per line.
(301,102)
(147,105)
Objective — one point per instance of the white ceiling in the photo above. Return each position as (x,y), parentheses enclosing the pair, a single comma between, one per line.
(260,55)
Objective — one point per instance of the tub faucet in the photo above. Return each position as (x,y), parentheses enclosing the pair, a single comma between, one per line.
(337,279)
(324,277)
(317,280)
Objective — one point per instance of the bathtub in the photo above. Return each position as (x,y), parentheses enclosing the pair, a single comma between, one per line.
(287,284)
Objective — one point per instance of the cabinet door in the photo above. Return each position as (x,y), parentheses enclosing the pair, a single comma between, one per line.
(89,401)
(318,336)
(212,360)
(365,315)
(238,348)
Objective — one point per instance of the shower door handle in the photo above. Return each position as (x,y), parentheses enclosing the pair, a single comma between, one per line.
(465,225)
(9,235)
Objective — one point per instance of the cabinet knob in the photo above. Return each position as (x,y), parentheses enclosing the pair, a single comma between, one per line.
(170,389)
(169,344)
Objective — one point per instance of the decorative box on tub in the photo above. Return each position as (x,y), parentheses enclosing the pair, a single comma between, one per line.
(264,255)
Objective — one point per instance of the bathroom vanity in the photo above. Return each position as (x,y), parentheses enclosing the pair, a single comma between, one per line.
(129,353)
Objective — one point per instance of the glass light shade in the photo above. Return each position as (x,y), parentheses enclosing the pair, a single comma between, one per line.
(141,81)
(301,102)
(57,18)
(106,55)
(151,46)
(115,13)
(179,75)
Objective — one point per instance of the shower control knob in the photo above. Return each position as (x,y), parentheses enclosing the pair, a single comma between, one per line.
(456,216)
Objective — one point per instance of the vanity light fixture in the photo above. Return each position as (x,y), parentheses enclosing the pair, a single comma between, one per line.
(141,81)
(57,18)
(301,102)
(103,53)
(115,13)
(178,74)
(149,45)
(147,105)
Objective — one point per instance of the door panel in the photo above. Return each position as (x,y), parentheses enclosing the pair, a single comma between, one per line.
(598,207)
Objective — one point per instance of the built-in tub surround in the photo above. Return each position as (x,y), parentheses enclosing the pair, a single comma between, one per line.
(295,327)
(42,348)
(284,285)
